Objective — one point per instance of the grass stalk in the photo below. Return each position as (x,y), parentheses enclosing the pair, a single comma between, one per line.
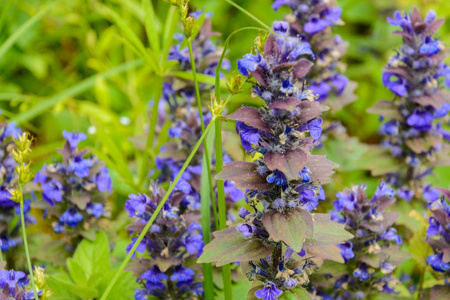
(202,123)
(226,273)
(25,244)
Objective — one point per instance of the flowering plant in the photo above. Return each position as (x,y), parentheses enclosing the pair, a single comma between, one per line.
(283,182)
(412,127)
(372,255)
(74,191)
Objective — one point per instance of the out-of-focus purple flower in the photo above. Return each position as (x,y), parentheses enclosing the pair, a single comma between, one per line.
(397,86)
(80,166)
(71,217)
(182,275)
(420,120)
(268,292)
(435,261)
(73,138)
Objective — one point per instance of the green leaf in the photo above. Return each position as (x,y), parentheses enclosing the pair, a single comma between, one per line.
(80,87)
(290,163)
(169,29)
(327,232)
(230,246)
(291,227)
(301,293)
(64,288)
(22,30)
(93,256)
(420,249)
(251,292)
(77,272)
(124,287)
(297,293)
(205,195)
(146,54)
(151,27)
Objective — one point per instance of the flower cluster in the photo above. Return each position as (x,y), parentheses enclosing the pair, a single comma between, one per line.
(312,21)
(283,182)
(9,178)
(438,237)
(173,238)
(373,253)
(178,92)
(15,285)
(412,129)
(184,134)
(74,190)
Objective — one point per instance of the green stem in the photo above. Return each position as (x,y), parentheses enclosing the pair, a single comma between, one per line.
(249,14)
(151,131)
(25,243)
(1,255)
(226,273)
(205,146)
(158,209)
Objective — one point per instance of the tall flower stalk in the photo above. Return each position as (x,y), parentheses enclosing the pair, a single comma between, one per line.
(283,182)
(25,174)
(413,121)
(9,209)
(74,191)
(372,255)
(313,22)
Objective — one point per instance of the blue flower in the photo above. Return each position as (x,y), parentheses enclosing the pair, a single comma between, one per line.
(430,193)
(430,47)
(401,20)
(250,62)
(95,209)
(52,191)
(305,175)
(321,89)
(249,135)
(362,272)
(397,86)
(232,191)
(346,250)
(339,82)
(136,204)
(74,138)
(268,292)
(103,181)
(386,267)
(80,166)
(71,217)
(140,248)
(182,275)
(434,227)
(344,200)
(390,128)
(154,277)
(246,230)
(405,194)
(278,178)
(383,190)
(435,261)
(391,235)
(194,243)
(10,279)
(59,227)
(420,120)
